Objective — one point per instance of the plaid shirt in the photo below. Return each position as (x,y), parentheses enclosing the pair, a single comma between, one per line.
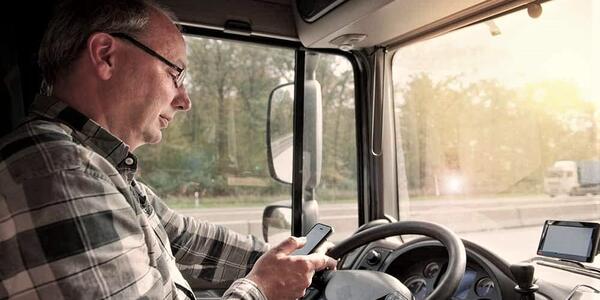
(74,223)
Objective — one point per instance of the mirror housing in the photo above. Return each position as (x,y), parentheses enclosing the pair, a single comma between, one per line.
(280,138)
(277,216)
(280,128)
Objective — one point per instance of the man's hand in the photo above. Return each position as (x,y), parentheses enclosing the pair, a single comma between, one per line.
(324,247)
(281,276)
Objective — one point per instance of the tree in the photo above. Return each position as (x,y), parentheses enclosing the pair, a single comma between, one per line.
(498,139)
(223,133)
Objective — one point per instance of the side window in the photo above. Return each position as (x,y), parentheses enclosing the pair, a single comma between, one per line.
(212,162)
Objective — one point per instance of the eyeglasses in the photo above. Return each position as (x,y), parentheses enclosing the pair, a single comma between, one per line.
(180,71)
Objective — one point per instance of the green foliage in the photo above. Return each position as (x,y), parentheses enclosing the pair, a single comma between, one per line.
(339,126)
(221,141)
(224,132)
(499,139)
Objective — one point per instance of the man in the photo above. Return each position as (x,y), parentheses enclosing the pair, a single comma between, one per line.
(74,222)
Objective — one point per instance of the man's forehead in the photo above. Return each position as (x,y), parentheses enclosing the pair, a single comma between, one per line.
(163,36)
(179,53)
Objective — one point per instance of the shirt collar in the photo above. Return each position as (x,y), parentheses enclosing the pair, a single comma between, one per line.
(88,132)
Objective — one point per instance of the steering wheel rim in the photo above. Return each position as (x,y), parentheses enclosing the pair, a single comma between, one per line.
(457,257)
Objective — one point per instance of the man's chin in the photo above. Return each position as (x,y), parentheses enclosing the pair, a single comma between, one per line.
(153,138)
(157,139)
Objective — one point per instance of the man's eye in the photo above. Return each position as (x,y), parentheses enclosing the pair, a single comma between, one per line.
(174,77)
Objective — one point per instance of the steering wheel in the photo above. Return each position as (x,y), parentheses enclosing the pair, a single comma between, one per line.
(362,284)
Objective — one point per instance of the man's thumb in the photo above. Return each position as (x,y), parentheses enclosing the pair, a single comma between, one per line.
(290,244)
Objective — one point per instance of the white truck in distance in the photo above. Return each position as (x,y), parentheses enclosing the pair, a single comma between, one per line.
(574,178)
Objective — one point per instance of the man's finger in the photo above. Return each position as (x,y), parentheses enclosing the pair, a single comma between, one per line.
(290,244)
(321,261)
(323,248)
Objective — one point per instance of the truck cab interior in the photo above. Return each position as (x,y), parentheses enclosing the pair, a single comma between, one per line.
(427,128)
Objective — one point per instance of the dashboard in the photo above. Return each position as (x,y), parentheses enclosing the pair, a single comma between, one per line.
(421,270)
(420,265)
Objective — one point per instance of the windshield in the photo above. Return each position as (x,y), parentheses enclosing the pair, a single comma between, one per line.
(487,114)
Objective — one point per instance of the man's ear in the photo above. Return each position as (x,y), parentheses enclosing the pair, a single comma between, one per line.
(100,49)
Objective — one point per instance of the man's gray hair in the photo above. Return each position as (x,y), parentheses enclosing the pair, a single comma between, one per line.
(75,20)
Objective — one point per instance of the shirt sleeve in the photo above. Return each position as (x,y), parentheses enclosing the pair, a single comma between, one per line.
(208,251)
(70,234)
(244,289)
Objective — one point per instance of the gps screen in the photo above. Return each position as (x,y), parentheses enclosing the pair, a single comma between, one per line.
(570,240)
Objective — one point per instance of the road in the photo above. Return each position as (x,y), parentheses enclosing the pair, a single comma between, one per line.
(496,223)
(349,210)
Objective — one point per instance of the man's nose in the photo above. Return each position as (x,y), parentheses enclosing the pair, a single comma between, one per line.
(182,100)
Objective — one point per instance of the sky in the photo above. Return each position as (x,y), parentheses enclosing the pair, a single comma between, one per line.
(562,44)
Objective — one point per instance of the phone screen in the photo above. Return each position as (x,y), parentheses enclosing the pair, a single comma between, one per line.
(315,237)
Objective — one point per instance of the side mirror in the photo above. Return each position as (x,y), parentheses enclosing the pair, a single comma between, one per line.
(280,137)
(280,134)
(277,218)
(280,125)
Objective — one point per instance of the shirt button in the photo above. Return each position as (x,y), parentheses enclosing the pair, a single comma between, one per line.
(129,161)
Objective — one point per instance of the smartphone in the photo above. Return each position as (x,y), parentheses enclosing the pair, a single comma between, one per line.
(315,237)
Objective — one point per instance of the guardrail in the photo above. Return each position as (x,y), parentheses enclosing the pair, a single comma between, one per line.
(465,219)
(469,220)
